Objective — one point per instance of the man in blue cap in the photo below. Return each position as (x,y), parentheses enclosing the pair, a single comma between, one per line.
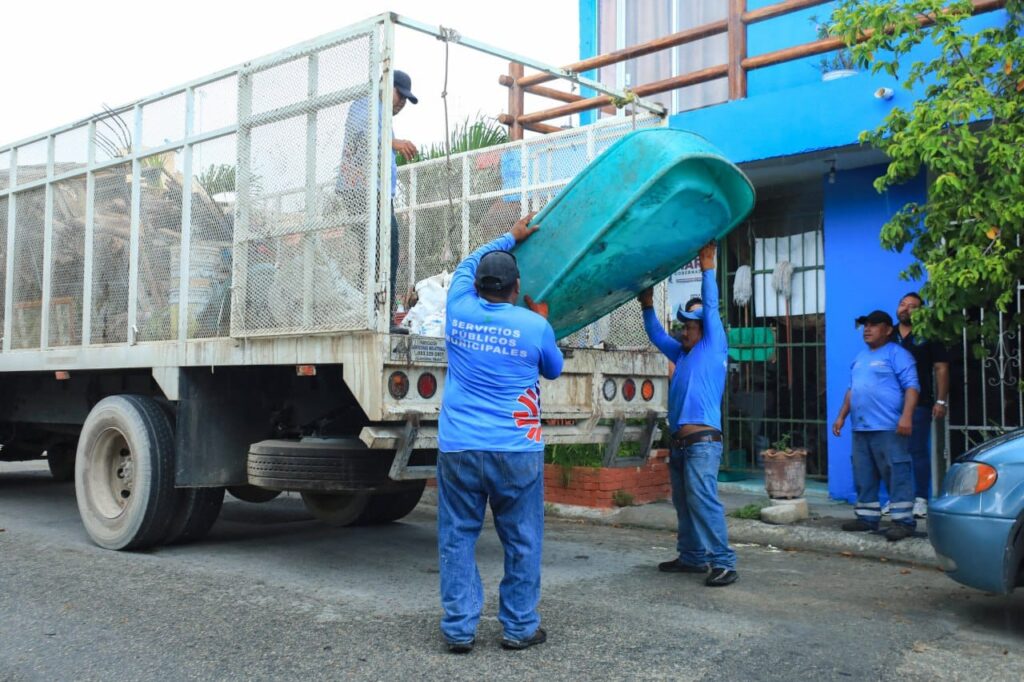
(881,399)
(701,358)
(490,443)
(351,184)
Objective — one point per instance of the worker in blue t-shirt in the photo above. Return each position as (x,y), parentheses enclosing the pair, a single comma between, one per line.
(881,398)
(695,419)
(490,444)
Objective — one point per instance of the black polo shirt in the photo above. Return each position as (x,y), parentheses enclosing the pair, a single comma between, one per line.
(926,354)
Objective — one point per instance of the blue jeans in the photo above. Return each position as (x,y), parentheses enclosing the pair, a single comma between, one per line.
(514,484)
(883,456)
(920,453)
(702,537)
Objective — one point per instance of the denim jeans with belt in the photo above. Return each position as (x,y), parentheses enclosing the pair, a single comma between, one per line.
(514,484)
(703,536)
(883,456)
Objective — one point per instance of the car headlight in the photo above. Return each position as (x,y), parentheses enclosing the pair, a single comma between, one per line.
(971,478)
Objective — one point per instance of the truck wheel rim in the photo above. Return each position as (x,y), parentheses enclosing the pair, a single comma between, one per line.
(111,478)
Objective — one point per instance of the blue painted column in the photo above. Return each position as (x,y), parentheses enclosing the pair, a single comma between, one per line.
(860,276)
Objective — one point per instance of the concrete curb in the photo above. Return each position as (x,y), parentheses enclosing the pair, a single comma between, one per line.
(916,551)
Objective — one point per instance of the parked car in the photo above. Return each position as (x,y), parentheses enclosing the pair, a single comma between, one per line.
(977,524)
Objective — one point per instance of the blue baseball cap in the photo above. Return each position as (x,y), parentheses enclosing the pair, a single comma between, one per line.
(683,315)
(497,271)
(404,86)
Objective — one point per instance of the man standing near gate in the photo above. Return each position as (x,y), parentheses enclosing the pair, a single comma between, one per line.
(881,399)
(932,359)
(695,418)
(490,444)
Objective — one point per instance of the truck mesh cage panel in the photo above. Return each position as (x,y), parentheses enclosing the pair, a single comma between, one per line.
(111,254)
(308,204)
(28,274)
(67,262)
(448,209)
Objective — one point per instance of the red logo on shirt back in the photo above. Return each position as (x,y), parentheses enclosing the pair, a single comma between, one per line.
(529,418)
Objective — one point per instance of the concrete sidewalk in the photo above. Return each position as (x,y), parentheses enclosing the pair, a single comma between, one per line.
(820,533)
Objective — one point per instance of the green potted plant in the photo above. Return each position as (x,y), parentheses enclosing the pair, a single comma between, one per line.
(832,65)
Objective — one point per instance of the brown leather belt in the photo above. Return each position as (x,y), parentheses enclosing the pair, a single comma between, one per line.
(705,436)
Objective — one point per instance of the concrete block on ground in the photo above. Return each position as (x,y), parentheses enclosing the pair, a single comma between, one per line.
(786,511)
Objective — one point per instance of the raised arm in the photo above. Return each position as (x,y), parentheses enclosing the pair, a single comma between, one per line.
(464,277)
(714,332)
(659,337)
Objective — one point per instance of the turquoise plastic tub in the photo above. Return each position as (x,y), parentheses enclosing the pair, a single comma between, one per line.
(632,217)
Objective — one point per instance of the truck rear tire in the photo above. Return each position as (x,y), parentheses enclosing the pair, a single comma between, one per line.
(336,509)
(391,506)
(198,509)
(124,473)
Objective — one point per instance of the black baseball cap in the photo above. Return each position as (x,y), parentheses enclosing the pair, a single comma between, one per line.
(874,317)
(404,86)
(497,271)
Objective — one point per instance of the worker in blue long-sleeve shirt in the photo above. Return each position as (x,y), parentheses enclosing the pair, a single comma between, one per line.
(695,421)
(490,444)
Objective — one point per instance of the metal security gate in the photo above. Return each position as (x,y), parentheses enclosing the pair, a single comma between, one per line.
(775,390)
(985,398)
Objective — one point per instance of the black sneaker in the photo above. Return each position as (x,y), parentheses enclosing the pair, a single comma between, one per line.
(539,636)
(898,532)
(677,566)
(720,577)
(857,526)
(461,647)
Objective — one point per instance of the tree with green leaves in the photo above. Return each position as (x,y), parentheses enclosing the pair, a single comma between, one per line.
(966,132)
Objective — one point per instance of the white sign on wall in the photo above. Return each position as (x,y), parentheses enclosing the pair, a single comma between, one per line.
(683,285)
(808,286)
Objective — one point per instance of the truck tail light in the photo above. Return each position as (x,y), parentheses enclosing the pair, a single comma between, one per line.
(608,389)
(398,385)
(628,389)
(426,385)
(647,390)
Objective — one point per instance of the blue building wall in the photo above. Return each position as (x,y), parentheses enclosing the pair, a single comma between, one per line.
(859,277)
(790,111)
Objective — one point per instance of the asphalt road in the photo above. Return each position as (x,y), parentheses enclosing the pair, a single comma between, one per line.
(273,594)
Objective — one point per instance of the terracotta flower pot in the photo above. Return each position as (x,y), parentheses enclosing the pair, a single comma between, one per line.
(785,473)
